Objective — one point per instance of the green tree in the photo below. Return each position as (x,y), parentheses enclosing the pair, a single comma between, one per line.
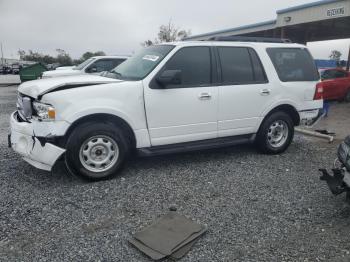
(168,33)
(63,58)
(335,55)
(88,55)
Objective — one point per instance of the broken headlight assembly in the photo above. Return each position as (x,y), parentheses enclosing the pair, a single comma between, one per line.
(43,111)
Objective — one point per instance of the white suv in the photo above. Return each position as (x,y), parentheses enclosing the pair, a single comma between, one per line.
(168,98)
(93,65)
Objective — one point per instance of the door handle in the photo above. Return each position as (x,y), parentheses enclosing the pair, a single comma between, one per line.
(203,96)
(265,92)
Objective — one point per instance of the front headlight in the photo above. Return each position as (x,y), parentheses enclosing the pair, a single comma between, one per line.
(44,111)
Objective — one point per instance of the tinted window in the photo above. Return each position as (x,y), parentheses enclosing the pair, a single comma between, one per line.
(105,64)
(293,64)
(240,65)
(327,74)
(194,63)
(236,65)
(117,62)
(83,64)
(259,72)
(340,74)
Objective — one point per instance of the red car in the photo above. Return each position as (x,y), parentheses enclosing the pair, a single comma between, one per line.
(336,84)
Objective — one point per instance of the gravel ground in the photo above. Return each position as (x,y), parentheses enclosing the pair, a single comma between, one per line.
(256,207)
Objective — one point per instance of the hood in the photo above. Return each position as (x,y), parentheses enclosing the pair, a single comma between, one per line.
(64,67)
(62,72)
(38,88)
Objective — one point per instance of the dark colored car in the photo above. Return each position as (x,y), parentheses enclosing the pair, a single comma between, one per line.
(16,68)
(336,84)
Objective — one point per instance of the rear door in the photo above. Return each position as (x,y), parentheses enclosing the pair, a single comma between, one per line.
(186,111)
(244,91)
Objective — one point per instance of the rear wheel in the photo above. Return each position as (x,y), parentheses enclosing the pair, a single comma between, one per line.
(96,151)
(275,133)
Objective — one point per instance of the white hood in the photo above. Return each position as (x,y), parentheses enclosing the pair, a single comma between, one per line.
(40,87)
(62,72)
(64,67)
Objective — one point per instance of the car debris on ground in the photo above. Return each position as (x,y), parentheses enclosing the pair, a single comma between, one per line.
(173,235)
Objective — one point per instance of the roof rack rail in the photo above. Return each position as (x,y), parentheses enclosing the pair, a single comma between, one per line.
(249,39)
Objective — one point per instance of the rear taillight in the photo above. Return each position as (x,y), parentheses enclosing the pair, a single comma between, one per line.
(319,91)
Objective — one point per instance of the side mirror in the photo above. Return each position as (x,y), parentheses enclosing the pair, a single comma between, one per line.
(170,77)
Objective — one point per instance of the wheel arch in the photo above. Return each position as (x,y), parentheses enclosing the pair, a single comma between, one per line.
(288,109)
(104,117)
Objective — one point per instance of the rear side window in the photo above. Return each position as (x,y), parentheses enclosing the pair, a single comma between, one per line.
(240,65)
(293,64)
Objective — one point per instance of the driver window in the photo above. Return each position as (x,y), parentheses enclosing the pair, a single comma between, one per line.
(194,64)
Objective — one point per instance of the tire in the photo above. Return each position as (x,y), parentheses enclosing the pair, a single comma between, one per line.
(96,151)
(275,133)
(347,97)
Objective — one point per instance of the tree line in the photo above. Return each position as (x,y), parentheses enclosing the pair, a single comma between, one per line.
(62,58)
(167,33)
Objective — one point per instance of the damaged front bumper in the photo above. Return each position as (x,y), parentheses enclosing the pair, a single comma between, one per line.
(31,146)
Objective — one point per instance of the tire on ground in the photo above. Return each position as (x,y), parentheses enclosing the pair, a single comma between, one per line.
(85,133)
(262,139)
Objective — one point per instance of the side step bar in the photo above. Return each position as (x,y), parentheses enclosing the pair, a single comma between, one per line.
(196,145)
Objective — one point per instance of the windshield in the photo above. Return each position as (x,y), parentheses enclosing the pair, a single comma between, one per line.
(142,63)
(83,64)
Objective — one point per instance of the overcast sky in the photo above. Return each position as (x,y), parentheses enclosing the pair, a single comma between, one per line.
(118,27)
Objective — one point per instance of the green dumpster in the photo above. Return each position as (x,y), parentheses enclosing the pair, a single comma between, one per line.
(32,72)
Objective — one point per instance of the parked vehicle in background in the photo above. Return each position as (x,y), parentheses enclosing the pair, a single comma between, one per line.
(168,98)
(16,68)
(7,70)
(64,67)
(94,65)
(336,84)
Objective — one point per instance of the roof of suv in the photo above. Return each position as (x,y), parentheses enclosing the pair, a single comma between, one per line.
(234,43)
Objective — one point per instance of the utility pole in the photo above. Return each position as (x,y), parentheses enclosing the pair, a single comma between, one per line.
(2,55)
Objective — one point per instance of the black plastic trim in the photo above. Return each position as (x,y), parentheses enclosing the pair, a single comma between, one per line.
(196,145)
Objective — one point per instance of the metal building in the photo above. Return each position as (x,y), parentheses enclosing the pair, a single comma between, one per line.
(317,21)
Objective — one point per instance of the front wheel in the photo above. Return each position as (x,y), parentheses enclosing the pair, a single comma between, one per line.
(96,151)
(275,133)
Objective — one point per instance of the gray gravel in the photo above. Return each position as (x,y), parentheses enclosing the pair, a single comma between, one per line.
(256,207)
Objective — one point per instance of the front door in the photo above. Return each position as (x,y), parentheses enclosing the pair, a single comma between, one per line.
(185,111)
